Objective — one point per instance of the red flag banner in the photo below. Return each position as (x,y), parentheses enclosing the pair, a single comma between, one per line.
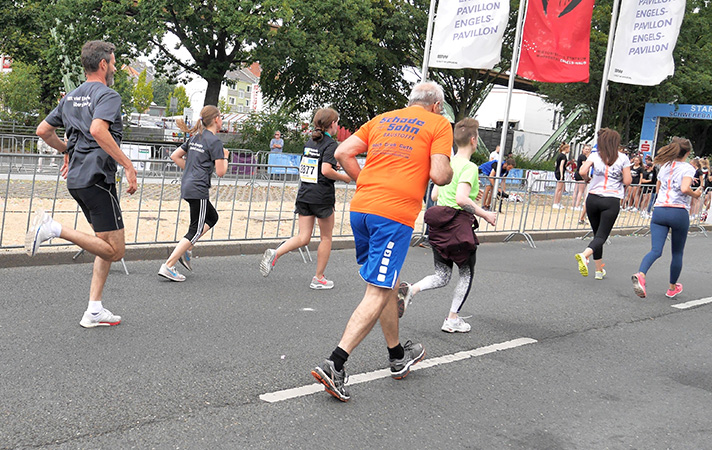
(555,41)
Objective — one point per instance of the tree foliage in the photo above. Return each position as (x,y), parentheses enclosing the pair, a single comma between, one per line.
(20,93)
(162,89)
(257,131)
(123,84)
(349,54)
(182,99)
(142,94)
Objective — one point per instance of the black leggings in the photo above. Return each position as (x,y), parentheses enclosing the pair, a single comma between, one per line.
(202,213)
(602,213)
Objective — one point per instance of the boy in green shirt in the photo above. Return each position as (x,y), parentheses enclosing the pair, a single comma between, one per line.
(460,195)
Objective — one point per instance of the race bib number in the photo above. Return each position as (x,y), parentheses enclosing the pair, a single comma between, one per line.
(308,170)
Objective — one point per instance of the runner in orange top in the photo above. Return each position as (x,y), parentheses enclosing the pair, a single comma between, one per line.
(405,148)
(400,144)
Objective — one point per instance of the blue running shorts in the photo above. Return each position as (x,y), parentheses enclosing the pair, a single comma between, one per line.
(381,247)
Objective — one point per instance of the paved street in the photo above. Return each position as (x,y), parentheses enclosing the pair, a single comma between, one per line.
(187,367)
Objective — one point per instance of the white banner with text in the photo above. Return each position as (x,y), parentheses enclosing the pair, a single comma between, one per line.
(468,34)
(645,38)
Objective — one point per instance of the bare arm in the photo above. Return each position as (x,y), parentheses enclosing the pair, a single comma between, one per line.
(627,177)
(584,170)
(100,132)
(346,155)
(440,170)
(48,134)
(686,188)
(177,157)
(328,171)
(434,193)
(462,197)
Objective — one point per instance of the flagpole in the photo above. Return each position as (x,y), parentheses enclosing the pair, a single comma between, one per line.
(428,39)
(606,67)
(510,87)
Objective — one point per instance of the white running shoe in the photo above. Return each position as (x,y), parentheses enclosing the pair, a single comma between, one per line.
(268,261)
(405,297)
(171,273)
(556,206)
(103,319)
(456,326)
(39,232)
(321,284)
(186,258)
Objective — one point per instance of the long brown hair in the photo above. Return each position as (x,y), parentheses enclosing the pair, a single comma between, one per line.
(676,149)
(323,118)
(207,116)
(608,142)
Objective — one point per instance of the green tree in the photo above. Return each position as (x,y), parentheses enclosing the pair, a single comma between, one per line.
(142,94)
(259,128)
(218,35)
(123,84)
(182,99)
(349,54)
(223,106)
(162,89)
(20,93)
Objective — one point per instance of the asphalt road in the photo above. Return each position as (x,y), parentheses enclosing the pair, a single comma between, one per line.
(188,365)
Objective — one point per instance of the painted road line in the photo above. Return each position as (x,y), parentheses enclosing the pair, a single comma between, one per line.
(693,303)
(273,397)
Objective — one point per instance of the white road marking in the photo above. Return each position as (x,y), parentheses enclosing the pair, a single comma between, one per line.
(273,397)
(693,303)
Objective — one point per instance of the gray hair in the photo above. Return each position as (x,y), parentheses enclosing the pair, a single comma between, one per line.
(93,52)
(425,94)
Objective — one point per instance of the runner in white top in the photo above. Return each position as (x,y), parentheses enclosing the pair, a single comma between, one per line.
(611,173)
(670,213)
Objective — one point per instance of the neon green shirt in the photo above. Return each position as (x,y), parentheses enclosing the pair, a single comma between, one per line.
(464,171)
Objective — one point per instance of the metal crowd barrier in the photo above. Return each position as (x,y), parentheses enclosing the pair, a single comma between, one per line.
(255,203)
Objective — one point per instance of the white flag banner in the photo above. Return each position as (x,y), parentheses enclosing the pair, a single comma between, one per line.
(468,33)
(645,38)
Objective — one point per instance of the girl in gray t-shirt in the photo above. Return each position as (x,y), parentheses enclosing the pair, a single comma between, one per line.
(198,157)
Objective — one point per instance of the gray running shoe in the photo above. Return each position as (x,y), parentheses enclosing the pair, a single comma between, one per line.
(268,261)
(186,258)
(405,297)
(400,368)
(103,319)
(334,381)
(321,284)
(171,273)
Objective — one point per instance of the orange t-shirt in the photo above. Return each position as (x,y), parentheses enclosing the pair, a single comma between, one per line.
(394,179)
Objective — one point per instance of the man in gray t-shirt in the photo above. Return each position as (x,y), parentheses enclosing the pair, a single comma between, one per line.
(91,116)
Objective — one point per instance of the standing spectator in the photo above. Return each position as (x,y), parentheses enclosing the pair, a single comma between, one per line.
(405,148)
(489,172)
(316,197)
(580,189)
(632,194)
(559,172)
(276,145)
(697,181)
(452,234)
(648,179)
(675,180)
(91,116)
(707,182)
(495,154)
(611,172)
(198,157)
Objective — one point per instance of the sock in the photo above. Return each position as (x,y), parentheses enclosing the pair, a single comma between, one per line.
(339,357)
(56,228)
(396,352)
(94,307)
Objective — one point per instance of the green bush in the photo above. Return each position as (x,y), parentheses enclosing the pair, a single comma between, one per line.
(257,131)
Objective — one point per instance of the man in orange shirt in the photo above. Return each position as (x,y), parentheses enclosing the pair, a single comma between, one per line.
(406,148)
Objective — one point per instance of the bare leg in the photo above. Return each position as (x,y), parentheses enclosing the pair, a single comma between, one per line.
(306,226)
(371,309)
(107,245)
(115,239)
(183,246)
(326,228)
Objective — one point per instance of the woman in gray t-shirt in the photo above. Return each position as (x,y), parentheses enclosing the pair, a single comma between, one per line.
(198,157)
